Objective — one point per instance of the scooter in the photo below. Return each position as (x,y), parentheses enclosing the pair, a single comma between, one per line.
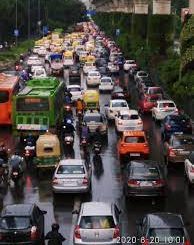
(68,139)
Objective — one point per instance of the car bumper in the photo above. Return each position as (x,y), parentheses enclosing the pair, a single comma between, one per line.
(125,128)
(177,159)
(76,189)
(143,192)
(106,88)
(78,242)
(22,243)
(93,83)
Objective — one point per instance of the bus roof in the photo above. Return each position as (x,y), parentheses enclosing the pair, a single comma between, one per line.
(44,83)
(27,91)
(8,81)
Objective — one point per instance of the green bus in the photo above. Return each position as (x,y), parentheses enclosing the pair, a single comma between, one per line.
(38,107)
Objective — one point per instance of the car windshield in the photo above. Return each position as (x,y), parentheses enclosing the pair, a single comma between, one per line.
(134,139)
(15,222)
(97,222)
(163,233)
(119,104)
(71,169)
(179,120)
(39,72)
(144,173)
(183,141)
(91,118)
(167,105)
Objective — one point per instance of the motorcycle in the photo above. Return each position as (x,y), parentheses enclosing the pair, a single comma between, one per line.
(68,139)
(97,148)
(84,145)
(68,110)
(16,175)
(29,151)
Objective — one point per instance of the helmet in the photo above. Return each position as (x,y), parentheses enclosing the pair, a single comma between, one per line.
(55,227)
(68,121)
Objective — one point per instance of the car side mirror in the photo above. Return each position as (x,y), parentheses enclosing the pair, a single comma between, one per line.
(44,212)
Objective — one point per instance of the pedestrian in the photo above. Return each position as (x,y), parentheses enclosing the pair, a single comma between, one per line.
(54,237)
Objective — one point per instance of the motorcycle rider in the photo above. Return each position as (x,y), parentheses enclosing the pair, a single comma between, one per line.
(69,128)
(54,236)
(80,105)
(16,162)
(3,152)
(84,131)
(97,136)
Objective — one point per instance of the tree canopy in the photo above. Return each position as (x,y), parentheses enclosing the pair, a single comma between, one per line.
(54,13)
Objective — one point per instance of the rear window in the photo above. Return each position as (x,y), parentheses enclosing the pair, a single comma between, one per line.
(119,104)
(74,89)
(130,117)
(106,80)
(96,118)
(4,96)
(176,235)
(144,172)
(163,105)
(155,91)
(133,139)
(15,222)
(183,141)
(71,169)
(97,222)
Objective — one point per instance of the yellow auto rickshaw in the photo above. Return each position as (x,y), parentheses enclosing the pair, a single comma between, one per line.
(91,99)
(48,151)
(91,59)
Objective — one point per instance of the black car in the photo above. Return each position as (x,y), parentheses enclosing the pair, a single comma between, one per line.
(121,93)
(144,178)
(162,228)
(175,123)
(74,72)
(22,224)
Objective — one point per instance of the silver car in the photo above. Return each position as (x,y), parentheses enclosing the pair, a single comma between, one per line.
(98,224)
(72,176)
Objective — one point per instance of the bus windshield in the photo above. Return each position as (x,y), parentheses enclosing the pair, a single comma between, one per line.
(32,104)
(4,96)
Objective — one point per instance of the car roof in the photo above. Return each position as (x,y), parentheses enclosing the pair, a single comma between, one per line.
(71,162)
(133,133)
(106,78)
(96,208)
(165,220)
(165,101)
(17,210)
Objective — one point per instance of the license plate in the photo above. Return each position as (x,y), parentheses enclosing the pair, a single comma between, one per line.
(184,152)
(134,154)
(145,184)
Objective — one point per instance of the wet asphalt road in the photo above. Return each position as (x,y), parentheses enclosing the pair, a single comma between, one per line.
(106,186)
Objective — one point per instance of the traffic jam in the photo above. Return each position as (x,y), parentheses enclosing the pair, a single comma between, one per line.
(92,149)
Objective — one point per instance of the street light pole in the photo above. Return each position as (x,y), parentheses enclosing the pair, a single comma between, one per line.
(16,22)
(29,19)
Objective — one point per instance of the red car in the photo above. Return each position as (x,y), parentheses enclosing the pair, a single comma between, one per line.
(146,103)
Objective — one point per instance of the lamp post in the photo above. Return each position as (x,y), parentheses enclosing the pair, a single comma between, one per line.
(16,22)
(29,19)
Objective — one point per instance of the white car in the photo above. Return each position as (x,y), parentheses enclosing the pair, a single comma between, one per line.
(76,92)
(88,66)
(42,52)
(33,60)
(163,108)
(189,168)
(34,67)
(93,78)
(114,107)
(128,120)
(140,74)
(128,64)
(39,72)
(36,49)
(113,68)
(113,57)
(106,84)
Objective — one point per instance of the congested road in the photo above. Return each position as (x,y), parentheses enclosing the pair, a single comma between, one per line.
(106,185)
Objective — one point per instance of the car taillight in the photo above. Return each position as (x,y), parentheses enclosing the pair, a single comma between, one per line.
(77,232)
(133,183)
(187,242)
(144,241)
(191,170)
(158,183)
(85,181)
(171,152)
(120,123)
(116,232)
(140,122)
(27,151)
(167,127)
(34,233)
(146,145)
